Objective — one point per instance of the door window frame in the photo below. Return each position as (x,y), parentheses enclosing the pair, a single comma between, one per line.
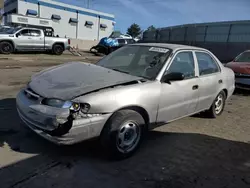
(19,33)
(35,30)
(166,67)
(213,58)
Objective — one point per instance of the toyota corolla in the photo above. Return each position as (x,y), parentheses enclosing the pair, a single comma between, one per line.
(132,90)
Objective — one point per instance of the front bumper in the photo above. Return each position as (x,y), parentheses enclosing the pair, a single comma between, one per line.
(43,119)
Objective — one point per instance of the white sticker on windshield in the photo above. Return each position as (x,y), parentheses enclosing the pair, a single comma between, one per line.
(157,49)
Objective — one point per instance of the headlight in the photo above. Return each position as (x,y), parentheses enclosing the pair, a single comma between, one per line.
(67,104)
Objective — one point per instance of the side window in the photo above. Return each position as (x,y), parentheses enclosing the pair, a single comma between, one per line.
(35,33)
(25,32)
(206,63)
(183,63)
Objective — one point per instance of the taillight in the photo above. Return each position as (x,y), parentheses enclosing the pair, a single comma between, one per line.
(68,41)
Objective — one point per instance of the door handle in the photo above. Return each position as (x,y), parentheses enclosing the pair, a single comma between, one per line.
(195,87)
(220,81)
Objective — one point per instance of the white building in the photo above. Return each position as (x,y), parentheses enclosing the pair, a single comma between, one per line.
(66,20)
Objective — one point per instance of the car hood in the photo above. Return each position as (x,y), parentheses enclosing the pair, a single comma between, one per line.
(5,35)
(239,67)
(70,80)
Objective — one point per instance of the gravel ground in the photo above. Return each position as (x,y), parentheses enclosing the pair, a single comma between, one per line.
(193,152)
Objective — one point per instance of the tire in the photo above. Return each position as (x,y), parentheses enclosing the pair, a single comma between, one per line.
(58,49)
(122,134)
(111,50)
(213,112)
(6,48)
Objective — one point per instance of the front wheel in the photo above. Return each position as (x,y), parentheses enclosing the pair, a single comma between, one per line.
(218,106)
(123,133)
(6,48)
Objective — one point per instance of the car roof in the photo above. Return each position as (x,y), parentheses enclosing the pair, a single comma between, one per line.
(29,28)
(170,46)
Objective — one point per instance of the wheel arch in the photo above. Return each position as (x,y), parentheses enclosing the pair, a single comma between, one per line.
(142,111)
(58,43)
(226,92)
(10,41)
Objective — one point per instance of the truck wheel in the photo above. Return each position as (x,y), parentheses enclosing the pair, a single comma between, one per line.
(218,106)
(122,134)
(6,48)
(58,49)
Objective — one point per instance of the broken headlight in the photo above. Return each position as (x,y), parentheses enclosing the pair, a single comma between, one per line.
(61,104)
(84,107)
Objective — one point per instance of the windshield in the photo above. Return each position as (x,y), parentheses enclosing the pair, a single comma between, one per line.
(244,57)
(142,61)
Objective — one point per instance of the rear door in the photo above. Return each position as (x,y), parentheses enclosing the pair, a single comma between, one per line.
(210,79)
(37,39)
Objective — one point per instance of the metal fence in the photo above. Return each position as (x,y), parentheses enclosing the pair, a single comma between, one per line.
(225,39)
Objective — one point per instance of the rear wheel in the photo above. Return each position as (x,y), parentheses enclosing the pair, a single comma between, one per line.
(218,106)
(58,49)
(6,48)
(123,133)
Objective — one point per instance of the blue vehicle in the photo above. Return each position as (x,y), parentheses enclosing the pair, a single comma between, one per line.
(110,44)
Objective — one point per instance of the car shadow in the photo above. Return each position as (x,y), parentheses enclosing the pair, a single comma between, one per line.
(172,160)
(241,92)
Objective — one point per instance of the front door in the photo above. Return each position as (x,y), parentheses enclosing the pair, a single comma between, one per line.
(179,98)
(23,40)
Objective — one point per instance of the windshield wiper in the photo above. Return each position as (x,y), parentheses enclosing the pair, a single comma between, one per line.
(120,71)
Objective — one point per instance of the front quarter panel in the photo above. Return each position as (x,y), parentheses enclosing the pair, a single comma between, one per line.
(145,95)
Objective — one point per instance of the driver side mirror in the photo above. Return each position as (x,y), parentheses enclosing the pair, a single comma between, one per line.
(17,35)
(173,76)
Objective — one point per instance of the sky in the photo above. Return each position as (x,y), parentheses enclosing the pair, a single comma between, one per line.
(164,13)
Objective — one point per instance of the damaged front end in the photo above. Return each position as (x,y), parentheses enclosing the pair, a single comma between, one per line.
(62,122)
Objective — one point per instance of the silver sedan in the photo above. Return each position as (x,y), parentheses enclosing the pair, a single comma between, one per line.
(132,90)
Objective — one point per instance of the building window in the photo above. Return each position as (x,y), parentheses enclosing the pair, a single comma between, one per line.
(73,20)
(89,24)
(31,12)
(56,17)
(21,19)
(103,27)
(44,22)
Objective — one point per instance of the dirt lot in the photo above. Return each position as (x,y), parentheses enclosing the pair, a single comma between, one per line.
(191,153)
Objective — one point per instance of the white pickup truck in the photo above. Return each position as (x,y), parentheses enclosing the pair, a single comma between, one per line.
(31,39)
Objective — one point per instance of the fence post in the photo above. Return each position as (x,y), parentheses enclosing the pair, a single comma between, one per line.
(205,35)
(229,33)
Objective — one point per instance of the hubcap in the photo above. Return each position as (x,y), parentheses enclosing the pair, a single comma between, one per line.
(219,104)
(128,137)
(6,48)
(58,50)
